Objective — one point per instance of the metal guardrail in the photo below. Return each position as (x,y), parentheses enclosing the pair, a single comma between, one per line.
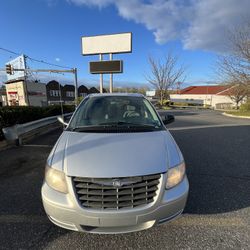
(15,132)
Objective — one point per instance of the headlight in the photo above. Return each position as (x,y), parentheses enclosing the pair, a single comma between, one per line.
(175,175)
(56,179)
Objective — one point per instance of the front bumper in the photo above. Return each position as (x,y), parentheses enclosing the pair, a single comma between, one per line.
(65,211)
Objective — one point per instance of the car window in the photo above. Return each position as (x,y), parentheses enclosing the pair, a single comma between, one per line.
(115,110)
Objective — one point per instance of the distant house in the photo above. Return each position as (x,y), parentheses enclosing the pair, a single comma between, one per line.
(57,93)
(214,96)
(23,92)
(54,92)
(93,90)
(68,94)
(83,91)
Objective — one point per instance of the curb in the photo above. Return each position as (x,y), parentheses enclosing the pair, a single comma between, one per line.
(236,116)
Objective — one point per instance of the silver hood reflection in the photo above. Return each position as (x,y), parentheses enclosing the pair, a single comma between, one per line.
(101,155)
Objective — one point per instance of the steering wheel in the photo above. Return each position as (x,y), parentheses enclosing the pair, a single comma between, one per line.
(131,113)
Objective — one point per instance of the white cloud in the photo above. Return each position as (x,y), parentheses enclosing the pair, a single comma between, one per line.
(57,59)
(212,23)
(198,24)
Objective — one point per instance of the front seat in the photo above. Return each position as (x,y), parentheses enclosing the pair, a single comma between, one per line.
(131,112)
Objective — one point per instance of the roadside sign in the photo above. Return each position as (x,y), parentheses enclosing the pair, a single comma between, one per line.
(106,67)
(107,44)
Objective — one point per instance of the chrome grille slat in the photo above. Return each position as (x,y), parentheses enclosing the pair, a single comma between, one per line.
(100,193)
(120,198)
(111,204)
(114,191)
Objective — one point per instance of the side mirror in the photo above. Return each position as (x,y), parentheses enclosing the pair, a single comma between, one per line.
(61,120)
(167,119)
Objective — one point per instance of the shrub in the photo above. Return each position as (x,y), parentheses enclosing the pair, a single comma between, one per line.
(207,106)
(245,106)
(10,116)
(180,104)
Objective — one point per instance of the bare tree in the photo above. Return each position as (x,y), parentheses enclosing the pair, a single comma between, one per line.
(165,73)
(237,93)
(235,66)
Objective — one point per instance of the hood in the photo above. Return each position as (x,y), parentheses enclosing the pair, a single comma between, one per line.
(101,155)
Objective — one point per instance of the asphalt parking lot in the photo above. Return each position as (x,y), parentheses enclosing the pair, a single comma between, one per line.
(217,215)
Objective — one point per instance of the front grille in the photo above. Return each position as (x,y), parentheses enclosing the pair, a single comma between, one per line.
(116,193)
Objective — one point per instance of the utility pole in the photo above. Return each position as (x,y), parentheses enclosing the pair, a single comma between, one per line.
(25,80)
(76,87)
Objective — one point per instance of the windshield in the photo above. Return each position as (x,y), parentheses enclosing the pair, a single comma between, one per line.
(100,113)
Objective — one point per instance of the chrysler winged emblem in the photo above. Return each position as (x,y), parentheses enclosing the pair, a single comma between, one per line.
(117,182)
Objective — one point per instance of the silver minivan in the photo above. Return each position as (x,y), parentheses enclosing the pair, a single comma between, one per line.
(115,168)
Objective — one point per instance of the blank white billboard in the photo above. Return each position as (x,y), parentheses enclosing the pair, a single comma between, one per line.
(17,63)
(106,44)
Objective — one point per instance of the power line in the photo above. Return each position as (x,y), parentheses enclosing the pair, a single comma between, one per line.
(51,64)
(12,52)
(36,60)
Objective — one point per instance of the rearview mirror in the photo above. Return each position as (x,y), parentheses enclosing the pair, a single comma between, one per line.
(167,119)
(61,120)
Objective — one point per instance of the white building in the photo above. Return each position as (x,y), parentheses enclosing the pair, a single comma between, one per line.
(26,93)
(214,96)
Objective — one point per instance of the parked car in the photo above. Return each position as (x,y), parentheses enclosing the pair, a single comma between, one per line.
(115,168)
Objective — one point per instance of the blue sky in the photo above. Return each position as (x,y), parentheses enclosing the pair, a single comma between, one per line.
(50,30)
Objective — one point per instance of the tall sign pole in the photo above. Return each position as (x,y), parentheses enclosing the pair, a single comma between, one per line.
(111,76)
(108,44)
(26,79)
(101,77)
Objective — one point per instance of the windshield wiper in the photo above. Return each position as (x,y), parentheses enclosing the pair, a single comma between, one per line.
(87,128)
(119,123)
(115,126)
(128,124)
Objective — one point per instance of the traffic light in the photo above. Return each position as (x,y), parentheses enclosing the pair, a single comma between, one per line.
(8,69)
